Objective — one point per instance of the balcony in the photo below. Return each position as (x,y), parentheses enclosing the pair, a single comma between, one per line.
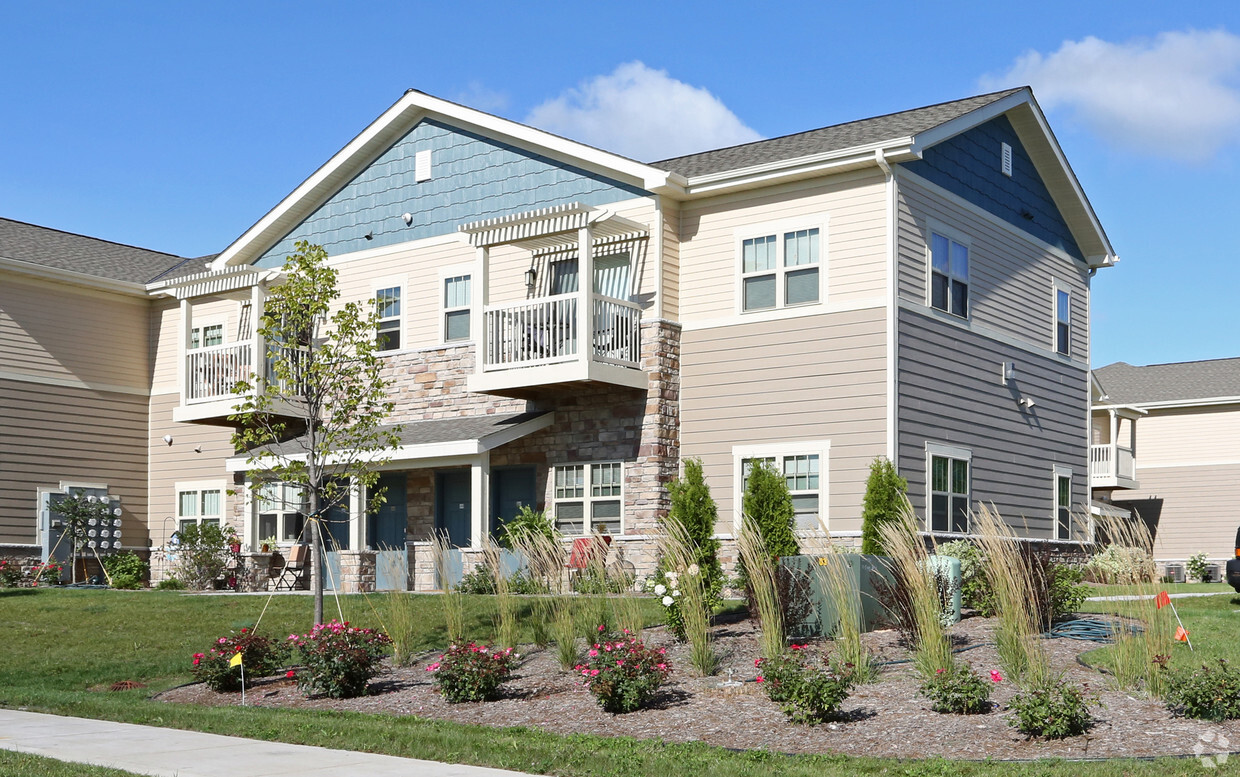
(1112,466)
(210,378)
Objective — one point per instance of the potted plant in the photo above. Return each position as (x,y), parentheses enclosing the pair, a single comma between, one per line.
(234,542)
(268,545)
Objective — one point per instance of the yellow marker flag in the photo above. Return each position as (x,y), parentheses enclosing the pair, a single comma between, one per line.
(235,660)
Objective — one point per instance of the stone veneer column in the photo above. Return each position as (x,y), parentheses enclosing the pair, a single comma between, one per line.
(357,571)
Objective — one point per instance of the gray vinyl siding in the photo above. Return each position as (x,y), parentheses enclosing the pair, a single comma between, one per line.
(809,378)
(58,433)
(949,392)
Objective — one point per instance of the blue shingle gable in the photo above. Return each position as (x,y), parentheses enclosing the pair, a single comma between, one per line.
(473,177)
(968,165)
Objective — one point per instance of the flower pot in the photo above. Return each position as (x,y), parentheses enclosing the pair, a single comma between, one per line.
(235,547)
(265,548)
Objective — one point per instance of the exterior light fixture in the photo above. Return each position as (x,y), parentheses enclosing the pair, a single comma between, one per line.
(531,278)
(408,217)
(168,438)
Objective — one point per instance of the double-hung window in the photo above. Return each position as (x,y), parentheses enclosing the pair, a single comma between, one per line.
(801,465)
(949,275)
(199,505)
(948,489)
(1063,321)
(279,510)
(206,336)
(589,498)
(387,308)
(1063,504)
(780,270)
(456,299)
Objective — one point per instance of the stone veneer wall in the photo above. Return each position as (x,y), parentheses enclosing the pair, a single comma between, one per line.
(429,384)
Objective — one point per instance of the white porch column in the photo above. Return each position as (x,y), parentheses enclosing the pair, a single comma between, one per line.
(477,307)
(258,347)
(585,295)
(1113,440)
(183,349)
(357,516)
(480,500)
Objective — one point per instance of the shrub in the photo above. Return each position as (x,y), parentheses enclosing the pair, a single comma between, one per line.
(525,523)
(1119,565)
(47,573)
(127,569)
(1066,593)
(338,660)
(1208,693)
(959,690)
(595,581)
(201,555)
(975,592)
(477,581)
(1198,567)
(260,655)
(769,504)
(472,672)
(694,509)
(10,573)
(624,674)
(170,584)
(1052,710)
(806,693)
(884,497)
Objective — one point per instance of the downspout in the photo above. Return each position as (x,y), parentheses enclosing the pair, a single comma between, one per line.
(889,180)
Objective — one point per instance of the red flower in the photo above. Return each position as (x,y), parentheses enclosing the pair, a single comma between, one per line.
(760,678)
(290,674)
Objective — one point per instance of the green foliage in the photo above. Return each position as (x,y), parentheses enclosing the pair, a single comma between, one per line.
(471,672)
(975,591)
(694,508)
(596,581)
(1066,592)
(10,573)
(1209,693)
(525,523)
(260,657)
(806,692)
(170,584)
(959,690)
(1053,710)
(624,674)
(127,569)
(884,498)
(338,660)
(1198,567)
(1120,565)
(480,581)
(769,504)
(201,555)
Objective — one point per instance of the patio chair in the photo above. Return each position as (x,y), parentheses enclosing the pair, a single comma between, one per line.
(296,568)
(587,551)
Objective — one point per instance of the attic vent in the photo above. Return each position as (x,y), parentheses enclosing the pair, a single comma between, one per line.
(1005,155)
(422,166)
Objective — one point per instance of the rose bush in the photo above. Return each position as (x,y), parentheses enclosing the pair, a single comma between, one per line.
(260,655)
(337,659)
(624,674)
(472,672)
(806,692)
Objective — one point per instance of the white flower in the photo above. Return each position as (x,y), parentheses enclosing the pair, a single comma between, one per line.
(660,589)
(668,601)
(672,577)
(676,593)
(693,569)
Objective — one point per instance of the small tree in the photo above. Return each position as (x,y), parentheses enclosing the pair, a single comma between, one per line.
(81,512)
(314,419)
(695,510)
(769,504)
(884,495)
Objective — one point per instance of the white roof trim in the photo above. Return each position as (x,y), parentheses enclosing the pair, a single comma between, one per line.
(69,276)
(1173,403)
(542,227)
(214,282)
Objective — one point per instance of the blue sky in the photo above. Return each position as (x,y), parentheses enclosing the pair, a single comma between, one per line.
(175,126)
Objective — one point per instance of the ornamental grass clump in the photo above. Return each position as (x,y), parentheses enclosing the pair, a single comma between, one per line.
(338,660)
(505,604)
(808,692)
(834,575)
(919,594)
(261,656)
(763,583)
(624,674)
(453,600)
(472,672)
(693,603)
(960,690)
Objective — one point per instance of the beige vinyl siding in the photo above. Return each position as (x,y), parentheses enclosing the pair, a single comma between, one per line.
(1188,436)
(1010,276)
(1193,509)
(802,379)
(671,260)
(854,250)
(180,462)
(59,433)
(60,332)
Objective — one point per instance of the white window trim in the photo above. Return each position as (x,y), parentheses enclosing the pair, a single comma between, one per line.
(400,284)
(1059,471)
(819,448)
(199,325)
(1056,287)
(779,229)
(475,311)
(945,450)
(252,504)
(951,233)
(198,486)
(587,499)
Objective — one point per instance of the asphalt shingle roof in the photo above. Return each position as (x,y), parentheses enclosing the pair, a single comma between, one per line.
(77,253)
(833,138)
(1129,384)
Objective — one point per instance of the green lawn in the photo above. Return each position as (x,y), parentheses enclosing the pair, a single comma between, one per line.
(24,765)
(1212,623)
(1171,588)
(65,647)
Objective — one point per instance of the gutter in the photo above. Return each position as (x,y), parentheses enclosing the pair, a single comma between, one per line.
(128,288)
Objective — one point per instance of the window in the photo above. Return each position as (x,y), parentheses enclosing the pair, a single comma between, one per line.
(199,506)
(780,270)
(1063,322)
(949,275)
(589,498)
(279,510)
(801,465)
(387,308)
(456,295)
(948,489)
(611,275)
(206,336)
(1063,504)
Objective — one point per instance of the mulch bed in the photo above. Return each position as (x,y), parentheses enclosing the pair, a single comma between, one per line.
(884,719)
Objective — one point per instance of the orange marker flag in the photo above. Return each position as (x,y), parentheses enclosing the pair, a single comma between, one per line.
(1163,600)
(1180,634)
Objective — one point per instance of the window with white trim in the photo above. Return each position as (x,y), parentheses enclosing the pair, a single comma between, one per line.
(949,275)
(388,310)
(456,298)
(279,511)
(199,506)
(589,498)
(948,488)
(1063,321)
(1063,504)
(801,465)
(781,270)
(206,336)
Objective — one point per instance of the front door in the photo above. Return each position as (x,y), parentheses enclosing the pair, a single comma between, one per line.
(452,505)
(386,530)
(511,489)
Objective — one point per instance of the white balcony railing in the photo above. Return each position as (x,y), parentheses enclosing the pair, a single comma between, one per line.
(530,332)
(213,371)
(1108,463)
(617,332)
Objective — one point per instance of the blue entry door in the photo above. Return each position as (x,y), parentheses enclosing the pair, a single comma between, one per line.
(511,489)
(337,525)
(386,529)
(452,505)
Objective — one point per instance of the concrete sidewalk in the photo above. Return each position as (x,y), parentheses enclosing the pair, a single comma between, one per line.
(1151,596)
(170,752)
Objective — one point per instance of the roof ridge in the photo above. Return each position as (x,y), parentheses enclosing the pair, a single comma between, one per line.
(90,237)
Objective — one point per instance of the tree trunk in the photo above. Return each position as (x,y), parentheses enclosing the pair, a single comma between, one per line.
(316,556)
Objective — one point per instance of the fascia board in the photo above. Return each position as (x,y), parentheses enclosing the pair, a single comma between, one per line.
(771,173)
(58,275)
(950,129)
(1178,403)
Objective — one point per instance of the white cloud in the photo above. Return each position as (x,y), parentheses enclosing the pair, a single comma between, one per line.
(477,95)
(642,113)
(1175,96)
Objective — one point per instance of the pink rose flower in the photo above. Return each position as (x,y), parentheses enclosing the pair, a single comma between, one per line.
(760,679)
(995,677)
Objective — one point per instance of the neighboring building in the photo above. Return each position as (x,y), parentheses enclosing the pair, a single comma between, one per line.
(914,286)
(1179,464)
